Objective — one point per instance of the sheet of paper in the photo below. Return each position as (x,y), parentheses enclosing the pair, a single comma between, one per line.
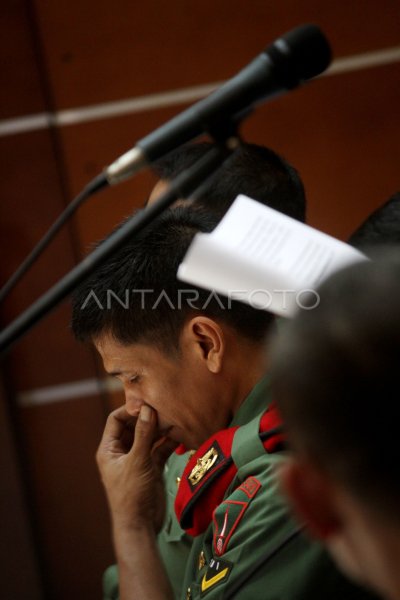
(263,257)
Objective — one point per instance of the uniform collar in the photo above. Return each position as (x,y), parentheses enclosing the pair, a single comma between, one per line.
(255,403)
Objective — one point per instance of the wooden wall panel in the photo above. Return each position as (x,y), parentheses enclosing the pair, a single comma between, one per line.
(17,550)
(56,442)
(31,200)
(62,439)
(341,133)
(96,53)
(21,92)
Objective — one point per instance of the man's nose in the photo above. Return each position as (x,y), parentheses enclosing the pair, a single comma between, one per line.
(133,403)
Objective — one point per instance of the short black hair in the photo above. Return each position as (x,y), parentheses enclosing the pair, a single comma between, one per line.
(116,299)
(335,376)
(382,226)
(253,170)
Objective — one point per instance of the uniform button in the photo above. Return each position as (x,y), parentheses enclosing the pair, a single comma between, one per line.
(202,560)
(177,481)
(188,594)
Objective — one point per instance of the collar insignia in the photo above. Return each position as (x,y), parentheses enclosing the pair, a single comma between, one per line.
(203,465)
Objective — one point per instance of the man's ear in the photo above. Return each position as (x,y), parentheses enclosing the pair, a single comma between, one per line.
(312,496)
(208,340)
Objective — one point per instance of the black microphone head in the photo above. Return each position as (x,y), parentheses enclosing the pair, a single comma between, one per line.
(300,54)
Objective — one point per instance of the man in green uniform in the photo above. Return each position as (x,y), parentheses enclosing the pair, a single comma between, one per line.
(179,352)
(264,176)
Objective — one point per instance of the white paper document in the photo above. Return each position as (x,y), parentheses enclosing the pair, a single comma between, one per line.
(264,258)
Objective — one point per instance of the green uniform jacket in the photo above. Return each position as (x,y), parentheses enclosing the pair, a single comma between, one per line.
(261,552)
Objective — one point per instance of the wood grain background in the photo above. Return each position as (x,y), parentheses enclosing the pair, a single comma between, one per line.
(341,132)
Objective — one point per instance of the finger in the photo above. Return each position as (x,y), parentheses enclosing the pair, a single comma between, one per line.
(117,422)
(117,436)
(145,434)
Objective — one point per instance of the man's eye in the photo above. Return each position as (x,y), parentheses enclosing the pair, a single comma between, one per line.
(134,379)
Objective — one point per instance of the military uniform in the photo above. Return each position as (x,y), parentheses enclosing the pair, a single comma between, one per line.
(247,545)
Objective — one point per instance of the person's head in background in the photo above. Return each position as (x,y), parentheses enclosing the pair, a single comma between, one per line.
(253,170)
(335,374)
(381,227)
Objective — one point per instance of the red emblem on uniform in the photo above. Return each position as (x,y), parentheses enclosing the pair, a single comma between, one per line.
(250,486)
(228,515)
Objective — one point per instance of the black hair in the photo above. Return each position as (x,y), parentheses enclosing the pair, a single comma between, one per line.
(335,376)
(116,299)
(381,227)
(253,170)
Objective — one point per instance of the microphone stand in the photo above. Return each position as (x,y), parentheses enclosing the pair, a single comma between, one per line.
(181,187)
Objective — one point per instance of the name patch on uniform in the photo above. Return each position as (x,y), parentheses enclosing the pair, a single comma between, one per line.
(228,515)
(217,571)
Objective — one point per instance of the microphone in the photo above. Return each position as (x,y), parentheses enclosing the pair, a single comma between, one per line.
(293,58)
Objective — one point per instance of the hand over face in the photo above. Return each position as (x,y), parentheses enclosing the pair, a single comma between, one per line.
(131,459)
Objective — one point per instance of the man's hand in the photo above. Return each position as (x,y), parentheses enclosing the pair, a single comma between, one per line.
(131,459)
